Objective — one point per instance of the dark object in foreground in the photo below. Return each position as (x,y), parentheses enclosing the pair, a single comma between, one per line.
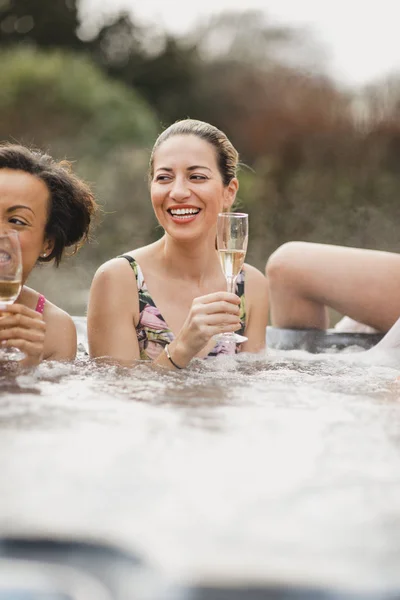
(317,340)
(61,569)
(34,568)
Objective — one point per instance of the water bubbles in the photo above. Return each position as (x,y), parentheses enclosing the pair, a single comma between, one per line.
(266,456)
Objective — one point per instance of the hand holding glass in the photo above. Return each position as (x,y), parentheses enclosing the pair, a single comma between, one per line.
(10,280)
(232,238)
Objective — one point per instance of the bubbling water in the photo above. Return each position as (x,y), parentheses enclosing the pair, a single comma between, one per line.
(282,466)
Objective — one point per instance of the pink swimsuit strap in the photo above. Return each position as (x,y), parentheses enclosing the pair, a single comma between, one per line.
(40,304)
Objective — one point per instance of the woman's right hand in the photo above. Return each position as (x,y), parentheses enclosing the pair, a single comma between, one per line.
(23,328)
(209,315)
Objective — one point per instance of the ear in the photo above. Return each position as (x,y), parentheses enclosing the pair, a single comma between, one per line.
(47,247)
(230,193)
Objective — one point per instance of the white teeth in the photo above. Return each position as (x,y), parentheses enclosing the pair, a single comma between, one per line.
(184,211)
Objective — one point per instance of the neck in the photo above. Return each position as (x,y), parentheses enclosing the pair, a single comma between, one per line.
(186,260)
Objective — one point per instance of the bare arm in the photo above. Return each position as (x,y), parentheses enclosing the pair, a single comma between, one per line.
(256,294)
(60,342)
(112,310)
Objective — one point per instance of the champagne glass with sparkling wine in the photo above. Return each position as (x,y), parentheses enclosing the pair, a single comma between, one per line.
(232,238)
(10,280)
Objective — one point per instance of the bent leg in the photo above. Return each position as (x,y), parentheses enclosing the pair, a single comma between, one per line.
(391,341)
(304,278)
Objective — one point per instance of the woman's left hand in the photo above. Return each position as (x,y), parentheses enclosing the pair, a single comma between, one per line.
(23,328)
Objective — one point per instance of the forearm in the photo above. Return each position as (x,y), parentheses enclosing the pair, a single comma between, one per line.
(175,356)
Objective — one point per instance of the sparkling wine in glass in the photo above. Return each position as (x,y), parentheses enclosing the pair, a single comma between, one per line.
(10,280)
(232,238)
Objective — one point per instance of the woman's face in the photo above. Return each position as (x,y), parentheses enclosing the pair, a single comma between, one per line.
(24,204)
(187,191)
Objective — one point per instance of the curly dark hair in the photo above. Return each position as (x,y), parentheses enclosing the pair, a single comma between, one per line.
(72,205)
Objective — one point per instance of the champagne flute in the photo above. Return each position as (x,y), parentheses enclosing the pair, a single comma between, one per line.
(232,238)
(10,280)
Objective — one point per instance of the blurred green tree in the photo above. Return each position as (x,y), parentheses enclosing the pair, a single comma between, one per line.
(63,100)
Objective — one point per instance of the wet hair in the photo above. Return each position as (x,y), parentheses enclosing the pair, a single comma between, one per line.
(72,205)
(227,155)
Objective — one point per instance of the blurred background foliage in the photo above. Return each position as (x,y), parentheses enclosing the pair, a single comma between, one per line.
(319,163)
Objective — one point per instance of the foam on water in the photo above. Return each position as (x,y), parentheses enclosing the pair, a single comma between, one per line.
(259,468)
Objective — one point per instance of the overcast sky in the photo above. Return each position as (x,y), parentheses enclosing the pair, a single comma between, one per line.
(362,37)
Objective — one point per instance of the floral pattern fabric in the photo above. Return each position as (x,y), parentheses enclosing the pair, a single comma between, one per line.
(152,330)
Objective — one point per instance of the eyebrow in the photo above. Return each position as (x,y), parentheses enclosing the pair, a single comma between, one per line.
(18,206)
(193,168)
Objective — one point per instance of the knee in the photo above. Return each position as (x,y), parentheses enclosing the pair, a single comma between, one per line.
(284,265)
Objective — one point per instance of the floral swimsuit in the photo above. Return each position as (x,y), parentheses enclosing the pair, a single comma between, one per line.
(153,332)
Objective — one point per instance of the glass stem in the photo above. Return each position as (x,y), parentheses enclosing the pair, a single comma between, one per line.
(229,336)
(231,284)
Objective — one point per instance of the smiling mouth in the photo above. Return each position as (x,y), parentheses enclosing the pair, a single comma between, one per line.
(4,256)
(183,212)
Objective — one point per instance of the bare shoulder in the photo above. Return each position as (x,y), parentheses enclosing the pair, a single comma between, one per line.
(117,268)
(113,283)
(147,253)
(56,317)
(114,268)
(113,292)
(254,277)
(60,342)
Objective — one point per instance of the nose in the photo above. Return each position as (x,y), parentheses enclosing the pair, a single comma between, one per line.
(180,190)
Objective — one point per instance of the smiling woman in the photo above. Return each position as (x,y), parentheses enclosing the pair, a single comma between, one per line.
(51,209)
(165,302)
